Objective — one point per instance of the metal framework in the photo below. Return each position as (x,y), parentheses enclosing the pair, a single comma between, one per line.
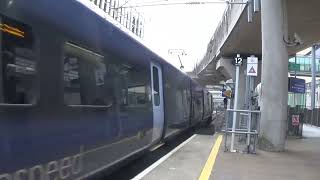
(248,130)
(128,17)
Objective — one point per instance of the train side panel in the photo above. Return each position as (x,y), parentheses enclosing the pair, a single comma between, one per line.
(68,103)
(207,112)
(75,92)
(197,103)
(177,100)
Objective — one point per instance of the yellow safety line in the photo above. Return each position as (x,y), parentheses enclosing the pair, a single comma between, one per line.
(207,169)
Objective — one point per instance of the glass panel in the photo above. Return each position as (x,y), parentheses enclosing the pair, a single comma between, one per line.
(298,60)
(18,65)
(292,60)
(156,93)
(307,60)
(93,79)
(301,67)
(84,77)
(136,88)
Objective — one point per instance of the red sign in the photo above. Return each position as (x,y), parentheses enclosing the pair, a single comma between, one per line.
(295,120)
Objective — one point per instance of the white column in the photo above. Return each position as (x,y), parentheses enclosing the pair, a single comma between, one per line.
(274,76)
(313,84)
(236,97)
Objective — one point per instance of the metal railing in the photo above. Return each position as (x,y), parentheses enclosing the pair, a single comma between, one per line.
(128,17)
(246,128)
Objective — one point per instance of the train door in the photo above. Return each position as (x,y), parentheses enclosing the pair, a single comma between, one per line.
(157,101)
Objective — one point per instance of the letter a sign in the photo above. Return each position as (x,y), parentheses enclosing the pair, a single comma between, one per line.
(252,66)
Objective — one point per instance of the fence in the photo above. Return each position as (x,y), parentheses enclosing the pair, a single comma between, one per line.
(243,131)
(308,116)
(128,17)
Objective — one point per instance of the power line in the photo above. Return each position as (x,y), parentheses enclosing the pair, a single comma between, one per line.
(181,3)
(156,1)
(126,2)
(178,52)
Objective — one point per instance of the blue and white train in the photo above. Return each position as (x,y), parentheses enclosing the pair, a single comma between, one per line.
(79,96)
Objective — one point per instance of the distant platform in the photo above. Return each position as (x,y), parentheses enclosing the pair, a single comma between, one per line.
(310,131)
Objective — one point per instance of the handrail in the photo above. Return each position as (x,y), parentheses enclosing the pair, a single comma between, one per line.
(239,110)
(92,106)
(17,105)
(245,131)
(242,132)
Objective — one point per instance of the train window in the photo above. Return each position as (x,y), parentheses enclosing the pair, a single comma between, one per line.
(137,95)
(84,77)
(17,63)
(133,82)
(156,92)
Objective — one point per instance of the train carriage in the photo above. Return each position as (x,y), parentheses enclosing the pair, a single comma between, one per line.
(78,95)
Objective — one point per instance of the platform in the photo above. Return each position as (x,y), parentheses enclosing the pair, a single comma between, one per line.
(300,161)
(194,157)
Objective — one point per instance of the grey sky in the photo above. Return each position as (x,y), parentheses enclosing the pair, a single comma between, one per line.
(187,27)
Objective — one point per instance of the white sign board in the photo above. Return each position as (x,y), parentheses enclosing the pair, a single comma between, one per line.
(252,66)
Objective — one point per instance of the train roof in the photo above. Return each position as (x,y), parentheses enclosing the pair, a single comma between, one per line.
(99,28)
(127,32)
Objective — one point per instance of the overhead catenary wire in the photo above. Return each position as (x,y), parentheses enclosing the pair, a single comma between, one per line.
(126,2)
(150,4)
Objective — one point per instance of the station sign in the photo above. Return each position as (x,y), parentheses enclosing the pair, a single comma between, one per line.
(296,85)
(238,60)
(252,66)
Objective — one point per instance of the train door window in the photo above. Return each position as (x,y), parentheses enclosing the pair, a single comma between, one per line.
(17,63)
(84,77)
(135,86)
(156,91)
(137,95)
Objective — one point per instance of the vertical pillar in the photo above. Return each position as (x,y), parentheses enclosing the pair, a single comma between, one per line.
(274,76)
(236,97)
(242,87)
(313,82)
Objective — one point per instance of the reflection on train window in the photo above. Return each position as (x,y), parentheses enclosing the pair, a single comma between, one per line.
(137,95)
(84,77)
(17,63)
(156,92)
(134,86)
(185,101)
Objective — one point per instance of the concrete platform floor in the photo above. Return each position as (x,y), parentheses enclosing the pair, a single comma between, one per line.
(186,163)
(301,161)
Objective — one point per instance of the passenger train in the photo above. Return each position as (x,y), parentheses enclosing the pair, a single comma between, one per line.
(78,95)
